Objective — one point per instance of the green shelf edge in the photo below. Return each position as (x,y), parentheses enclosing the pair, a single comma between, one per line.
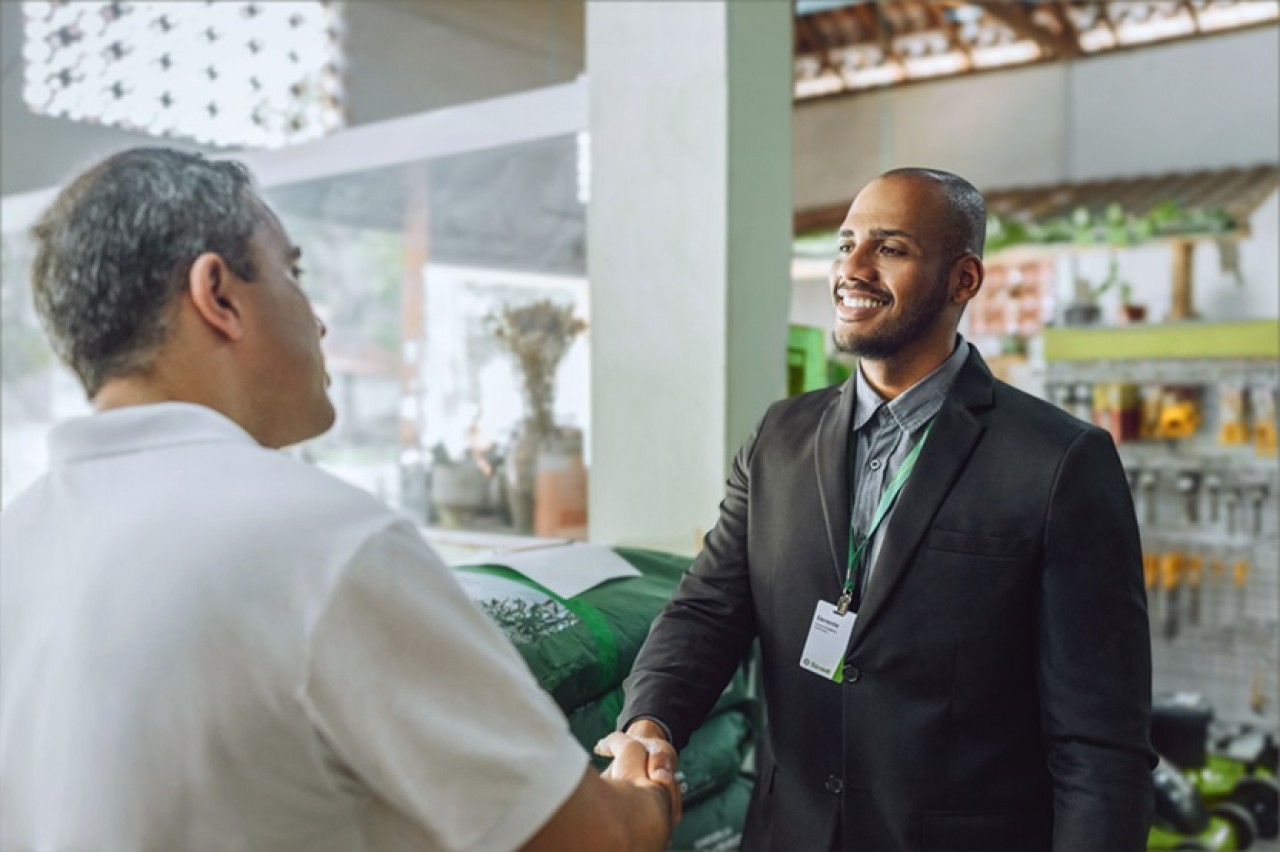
(1253,339)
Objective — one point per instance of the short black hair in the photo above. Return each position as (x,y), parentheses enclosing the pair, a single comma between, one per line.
(117,245)
(965,217)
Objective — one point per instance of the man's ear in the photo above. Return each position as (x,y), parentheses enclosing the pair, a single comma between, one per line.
(212,288)
(967,279)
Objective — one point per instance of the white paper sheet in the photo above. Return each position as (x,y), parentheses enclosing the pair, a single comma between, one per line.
(566,568)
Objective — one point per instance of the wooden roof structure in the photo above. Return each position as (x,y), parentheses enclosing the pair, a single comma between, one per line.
(846,47)
(1236,191)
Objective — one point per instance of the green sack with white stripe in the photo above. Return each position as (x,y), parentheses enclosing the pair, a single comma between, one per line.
(578,648)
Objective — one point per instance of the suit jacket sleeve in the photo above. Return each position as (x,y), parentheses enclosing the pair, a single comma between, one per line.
(1095,655)
(705,630)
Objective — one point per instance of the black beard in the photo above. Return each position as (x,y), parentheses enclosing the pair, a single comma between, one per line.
(891,340)
(871,350)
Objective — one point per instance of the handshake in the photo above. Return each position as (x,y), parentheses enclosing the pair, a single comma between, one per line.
(643,758)
(632,805)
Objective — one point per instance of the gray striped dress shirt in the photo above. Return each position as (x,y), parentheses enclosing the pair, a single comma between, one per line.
(884,433)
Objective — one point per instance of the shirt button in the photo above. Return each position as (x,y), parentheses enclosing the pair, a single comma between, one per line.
(851,673)
(834,785)
(875,464)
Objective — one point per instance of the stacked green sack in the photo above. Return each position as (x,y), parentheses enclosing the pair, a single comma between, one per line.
(715,825)
(714,755)
(581,649)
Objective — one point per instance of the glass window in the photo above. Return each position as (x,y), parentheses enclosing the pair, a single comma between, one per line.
(411,268)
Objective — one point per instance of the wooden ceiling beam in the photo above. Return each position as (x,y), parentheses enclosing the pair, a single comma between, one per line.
(948,28)
(1063,16)
(849,24)
(1190,9)
(811,40)
(812,34)
(1104,15)
(867,18)
(879,26)
(1015,17)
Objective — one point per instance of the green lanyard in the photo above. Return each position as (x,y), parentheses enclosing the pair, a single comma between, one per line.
(858,546)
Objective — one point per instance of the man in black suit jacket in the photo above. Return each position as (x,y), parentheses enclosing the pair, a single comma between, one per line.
(993,691)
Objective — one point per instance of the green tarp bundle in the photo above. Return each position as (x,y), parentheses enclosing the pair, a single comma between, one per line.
(594,720)
(580,649)
(713,758)
(715,825)
(715,751)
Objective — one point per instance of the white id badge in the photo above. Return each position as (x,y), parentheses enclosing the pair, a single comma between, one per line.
(828,640)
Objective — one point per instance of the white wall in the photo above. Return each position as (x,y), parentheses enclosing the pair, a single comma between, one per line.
(999,129)
(688,245)
(1200,104)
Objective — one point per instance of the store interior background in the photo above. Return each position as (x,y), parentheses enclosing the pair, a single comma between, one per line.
(646,163)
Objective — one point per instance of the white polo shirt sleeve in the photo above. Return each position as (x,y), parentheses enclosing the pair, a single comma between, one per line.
(427,703)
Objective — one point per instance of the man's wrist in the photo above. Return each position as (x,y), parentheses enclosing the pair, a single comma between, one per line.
(647,726)
(665,808)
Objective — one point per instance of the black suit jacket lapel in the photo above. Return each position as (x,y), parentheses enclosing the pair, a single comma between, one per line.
(830,458)
(955,433)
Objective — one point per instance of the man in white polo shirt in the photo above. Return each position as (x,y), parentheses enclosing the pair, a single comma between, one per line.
(205,644)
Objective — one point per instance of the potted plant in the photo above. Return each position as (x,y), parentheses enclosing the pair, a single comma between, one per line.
(1130,311)
(538,335)
(1083,309)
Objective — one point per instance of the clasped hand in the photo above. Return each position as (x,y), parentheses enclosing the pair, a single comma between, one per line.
(644,760)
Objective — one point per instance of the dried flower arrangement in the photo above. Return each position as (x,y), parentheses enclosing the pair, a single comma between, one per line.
(538,334)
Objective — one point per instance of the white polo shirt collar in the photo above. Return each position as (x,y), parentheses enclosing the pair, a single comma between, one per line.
(141,427)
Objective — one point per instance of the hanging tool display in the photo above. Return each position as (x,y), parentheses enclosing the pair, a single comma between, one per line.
(1147,481)
(1230,500)
(1257,497)
(1197,437)
(1194,571)
(1262,400)
(1240,579)
(1179,414)
(1170,579)
(1212,488)
(1188,484)
(1232,431)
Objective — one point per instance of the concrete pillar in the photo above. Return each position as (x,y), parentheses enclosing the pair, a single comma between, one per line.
(688,254)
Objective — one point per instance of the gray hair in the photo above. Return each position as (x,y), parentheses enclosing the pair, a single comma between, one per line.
(965,215)
(116,246)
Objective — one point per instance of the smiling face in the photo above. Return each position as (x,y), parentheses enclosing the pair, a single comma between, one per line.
(288,367)
(894,281)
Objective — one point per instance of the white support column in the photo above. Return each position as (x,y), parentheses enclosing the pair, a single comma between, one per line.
(689,242)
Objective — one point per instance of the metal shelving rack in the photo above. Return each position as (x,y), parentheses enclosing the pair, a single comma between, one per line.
(1214,630)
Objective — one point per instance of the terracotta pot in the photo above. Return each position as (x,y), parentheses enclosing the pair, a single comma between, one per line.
(1133,313)
(560,492)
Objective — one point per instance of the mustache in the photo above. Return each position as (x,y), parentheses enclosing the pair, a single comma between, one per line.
(859,288)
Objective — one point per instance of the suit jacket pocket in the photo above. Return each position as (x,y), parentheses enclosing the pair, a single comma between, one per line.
(973,544)
(983,832)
